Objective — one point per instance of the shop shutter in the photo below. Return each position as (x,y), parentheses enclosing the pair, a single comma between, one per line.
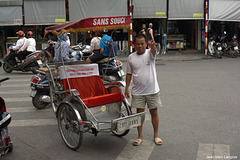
(44,12)
(150,9)
(224,10)
(186,9)
(96,8)
(11,12)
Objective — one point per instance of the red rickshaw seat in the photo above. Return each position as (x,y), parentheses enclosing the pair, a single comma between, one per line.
(92,91)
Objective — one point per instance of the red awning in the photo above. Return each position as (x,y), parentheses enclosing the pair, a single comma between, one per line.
(92,24)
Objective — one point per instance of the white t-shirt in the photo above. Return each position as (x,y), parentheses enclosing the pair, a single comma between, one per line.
(31,45)
(21,45)
(143,70)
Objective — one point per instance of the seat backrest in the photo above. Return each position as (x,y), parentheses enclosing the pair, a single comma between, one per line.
(84,78)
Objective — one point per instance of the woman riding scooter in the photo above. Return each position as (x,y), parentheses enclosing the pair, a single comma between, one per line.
(20,47)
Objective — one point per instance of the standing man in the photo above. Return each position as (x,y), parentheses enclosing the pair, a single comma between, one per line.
(145,90)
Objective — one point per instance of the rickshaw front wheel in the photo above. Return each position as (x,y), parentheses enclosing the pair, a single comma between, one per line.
(69,127)
(123,112)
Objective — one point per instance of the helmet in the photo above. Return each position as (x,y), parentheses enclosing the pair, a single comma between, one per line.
(150,25)
(92,33)
(20,33)
(29,33)
(105,31)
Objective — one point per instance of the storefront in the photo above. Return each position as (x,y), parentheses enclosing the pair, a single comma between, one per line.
(185,24)
(224,16)
(181,20)
(11,16)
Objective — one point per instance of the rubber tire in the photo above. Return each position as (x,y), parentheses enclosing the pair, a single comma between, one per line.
(218,54)
(34,70)
(125,132)
(36,103)
(6,68)
(71,117)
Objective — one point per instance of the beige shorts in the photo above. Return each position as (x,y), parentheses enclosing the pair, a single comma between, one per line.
(152,101)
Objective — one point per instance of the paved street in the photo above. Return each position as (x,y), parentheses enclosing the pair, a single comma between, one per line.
(199,120)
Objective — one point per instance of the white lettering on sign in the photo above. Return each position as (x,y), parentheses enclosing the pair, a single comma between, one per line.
(105,21)
(100,21)
(117,20)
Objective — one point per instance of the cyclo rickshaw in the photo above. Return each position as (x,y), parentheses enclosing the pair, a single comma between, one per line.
(80,100)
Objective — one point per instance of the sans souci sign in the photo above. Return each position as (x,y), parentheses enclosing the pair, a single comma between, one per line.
(109,21)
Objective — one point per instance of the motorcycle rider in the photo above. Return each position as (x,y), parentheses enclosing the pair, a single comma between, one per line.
(30,48)
(62,47)
(32,42)
(94,44)
(21,46)
(103,45)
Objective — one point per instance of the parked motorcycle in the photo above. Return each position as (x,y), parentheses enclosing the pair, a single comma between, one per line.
(31,63)
(214,48)
(39,90)
(235,44)
(227,46)
(5,119)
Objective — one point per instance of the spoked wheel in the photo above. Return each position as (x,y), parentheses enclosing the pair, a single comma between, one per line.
(124,113)
(69,127)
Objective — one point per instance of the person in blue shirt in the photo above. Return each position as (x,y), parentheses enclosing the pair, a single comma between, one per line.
(103,47)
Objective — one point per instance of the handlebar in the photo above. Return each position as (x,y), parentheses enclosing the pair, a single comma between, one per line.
(4,79)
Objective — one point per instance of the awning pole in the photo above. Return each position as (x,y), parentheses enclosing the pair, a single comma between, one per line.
(206,27)
(130,13)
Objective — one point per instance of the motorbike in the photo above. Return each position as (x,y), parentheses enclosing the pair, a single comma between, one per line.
(76,50)
(31,63)
(5,119)
(227,46)
(39,90)
(47,53)
(214,48)
(235,44)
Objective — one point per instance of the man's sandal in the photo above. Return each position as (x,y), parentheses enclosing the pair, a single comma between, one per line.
(137,142)
(158,141)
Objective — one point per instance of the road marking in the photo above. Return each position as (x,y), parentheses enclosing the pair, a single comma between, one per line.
(131,152)
(33,122)
(15,92)
(14,85)
(18,80)
(25,99)
(213,152)
(27,109)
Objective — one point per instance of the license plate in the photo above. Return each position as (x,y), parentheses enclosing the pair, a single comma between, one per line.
(32,93)
(121,73)
(39,62)
(219,48)
(236,48)
(129,122)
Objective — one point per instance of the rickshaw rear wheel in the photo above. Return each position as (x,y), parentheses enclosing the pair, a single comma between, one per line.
(69,127)
(124,112)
